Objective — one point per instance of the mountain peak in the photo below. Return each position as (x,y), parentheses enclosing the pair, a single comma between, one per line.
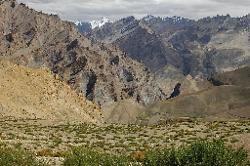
(99,23)
(78,22)
(94,23)
(148,17)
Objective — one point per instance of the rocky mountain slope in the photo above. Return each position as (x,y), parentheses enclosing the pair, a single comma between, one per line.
(35,94)
(199,48)
(231,100)
(103,75)
(218,103)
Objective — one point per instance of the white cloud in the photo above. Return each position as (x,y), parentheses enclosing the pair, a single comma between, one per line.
(115,9)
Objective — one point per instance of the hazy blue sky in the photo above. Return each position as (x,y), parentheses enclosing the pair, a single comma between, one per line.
(94,9)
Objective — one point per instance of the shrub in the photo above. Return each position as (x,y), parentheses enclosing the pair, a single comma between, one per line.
(200,153)
(84,157)
(138,156)
(45,153)
(16,157)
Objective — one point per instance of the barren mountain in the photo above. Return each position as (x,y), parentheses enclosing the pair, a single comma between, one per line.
(102,74)
(35,94)
(199,48)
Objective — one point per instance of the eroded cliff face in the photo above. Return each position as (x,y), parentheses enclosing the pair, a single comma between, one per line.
(197,48)
(102,74)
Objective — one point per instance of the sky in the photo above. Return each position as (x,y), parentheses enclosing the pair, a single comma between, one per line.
(88,10)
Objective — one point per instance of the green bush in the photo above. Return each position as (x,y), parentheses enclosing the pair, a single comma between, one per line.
(16,157)
(84,157)
(200,153)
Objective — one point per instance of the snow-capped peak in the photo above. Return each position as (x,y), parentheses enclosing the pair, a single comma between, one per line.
(99,23)
(78,23)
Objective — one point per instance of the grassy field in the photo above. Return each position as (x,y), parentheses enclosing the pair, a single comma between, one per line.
(51,143)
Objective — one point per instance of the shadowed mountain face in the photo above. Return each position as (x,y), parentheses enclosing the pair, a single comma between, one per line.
(102,74)
(199,48)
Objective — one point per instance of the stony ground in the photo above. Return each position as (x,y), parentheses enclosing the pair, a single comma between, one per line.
(50,141)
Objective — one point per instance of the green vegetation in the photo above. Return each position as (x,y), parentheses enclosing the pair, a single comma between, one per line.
(203,153)
(84,157)
(199,153)
(53,143)
(16,157)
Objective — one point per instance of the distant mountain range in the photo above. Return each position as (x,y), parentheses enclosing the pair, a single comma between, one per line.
(198,48)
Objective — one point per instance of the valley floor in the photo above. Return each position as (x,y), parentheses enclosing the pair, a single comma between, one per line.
(51,141)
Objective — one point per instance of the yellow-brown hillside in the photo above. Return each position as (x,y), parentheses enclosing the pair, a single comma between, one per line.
(36,94)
